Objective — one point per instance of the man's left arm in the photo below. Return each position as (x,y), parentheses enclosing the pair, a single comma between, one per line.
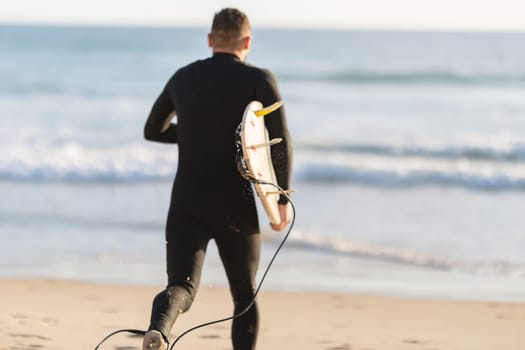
(158,117)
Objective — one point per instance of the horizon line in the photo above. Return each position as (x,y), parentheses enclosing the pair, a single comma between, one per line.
(87,24)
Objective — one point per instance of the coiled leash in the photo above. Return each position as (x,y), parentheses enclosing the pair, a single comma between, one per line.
(246,174)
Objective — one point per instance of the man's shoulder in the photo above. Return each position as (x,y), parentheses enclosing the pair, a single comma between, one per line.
(253,73)
(259,73)
(188,67)
(184,72)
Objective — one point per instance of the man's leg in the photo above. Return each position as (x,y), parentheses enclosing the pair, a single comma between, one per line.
(240,256)
(186,242)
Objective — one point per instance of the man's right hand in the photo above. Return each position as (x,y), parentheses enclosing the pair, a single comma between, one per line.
(286,215)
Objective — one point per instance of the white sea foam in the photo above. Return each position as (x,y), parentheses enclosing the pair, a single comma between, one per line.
(71,161)
(484,164)
(390,254)
(59,158)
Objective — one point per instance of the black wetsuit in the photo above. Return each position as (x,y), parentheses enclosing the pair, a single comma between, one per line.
(210,200)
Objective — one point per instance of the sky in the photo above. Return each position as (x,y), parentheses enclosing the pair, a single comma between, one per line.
(331,14)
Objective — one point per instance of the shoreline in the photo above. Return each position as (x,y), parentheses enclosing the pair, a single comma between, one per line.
(60,314)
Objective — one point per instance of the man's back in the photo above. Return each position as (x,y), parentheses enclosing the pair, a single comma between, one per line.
(209,97)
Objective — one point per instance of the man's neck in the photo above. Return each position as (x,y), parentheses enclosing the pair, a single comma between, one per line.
(241,54)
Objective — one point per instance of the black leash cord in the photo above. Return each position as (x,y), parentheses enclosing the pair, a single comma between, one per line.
(283,241)
(133,331)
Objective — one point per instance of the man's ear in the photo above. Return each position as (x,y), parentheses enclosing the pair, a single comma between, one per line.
(247,42)
(210,40)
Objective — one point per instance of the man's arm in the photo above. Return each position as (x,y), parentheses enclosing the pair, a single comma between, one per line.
(160,112)
(282,152)
(277,128)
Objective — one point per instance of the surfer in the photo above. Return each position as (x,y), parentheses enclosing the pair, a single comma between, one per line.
(210,199)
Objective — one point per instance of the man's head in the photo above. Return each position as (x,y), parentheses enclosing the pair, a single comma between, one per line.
(230,32)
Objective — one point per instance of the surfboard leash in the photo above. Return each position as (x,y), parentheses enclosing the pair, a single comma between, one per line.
(132,331)
(242,312)
(246,174)
(261,281)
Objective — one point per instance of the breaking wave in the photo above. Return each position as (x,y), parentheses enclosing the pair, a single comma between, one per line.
(514,152)
(408,77)
(348,247)
(478,168)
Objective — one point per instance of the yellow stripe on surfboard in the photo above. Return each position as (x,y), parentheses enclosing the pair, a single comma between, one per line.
(267,110)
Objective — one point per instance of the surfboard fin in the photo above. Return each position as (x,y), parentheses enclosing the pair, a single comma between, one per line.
(266,144)
(278,192)
(267,110)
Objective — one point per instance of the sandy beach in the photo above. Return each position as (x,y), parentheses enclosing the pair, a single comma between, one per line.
(53,314)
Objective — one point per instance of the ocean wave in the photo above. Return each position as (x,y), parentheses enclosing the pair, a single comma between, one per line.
(512,152)
(484,166)
(107,89)
(348,247)
(73,162)
(407,77)
(374,165)
(413,176)
(15,86)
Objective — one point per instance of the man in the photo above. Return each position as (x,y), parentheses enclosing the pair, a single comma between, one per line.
(210,199)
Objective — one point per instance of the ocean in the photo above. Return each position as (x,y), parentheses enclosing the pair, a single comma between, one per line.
(409,158)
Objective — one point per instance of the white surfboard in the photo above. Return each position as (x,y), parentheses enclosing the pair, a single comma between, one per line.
(256,150)
(167,122)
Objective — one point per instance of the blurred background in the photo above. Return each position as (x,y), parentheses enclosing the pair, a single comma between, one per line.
(408,122)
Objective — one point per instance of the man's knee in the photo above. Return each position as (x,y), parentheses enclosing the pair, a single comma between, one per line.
(242,299)
(180,295)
